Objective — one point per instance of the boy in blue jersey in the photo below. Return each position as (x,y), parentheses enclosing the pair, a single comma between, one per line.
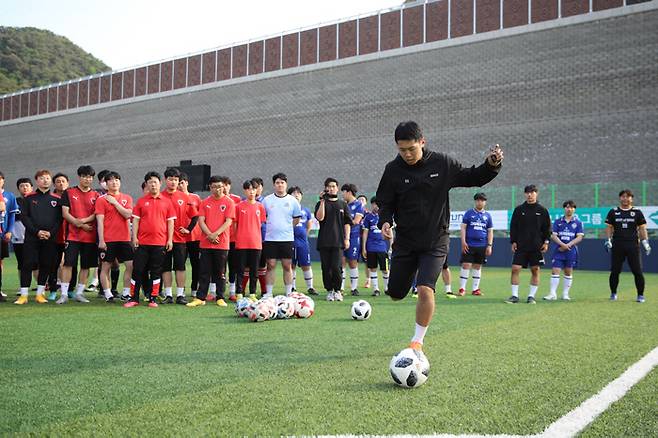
(7,219)
(477,244)
(374,248)
(351,255)
(567,233)
(302,257)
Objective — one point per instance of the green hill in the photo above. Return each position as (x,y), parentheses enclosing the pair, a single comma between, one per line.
(32,57)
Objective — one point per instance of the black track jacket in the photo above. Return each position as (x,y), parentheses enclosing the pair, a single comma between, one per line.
(416,197)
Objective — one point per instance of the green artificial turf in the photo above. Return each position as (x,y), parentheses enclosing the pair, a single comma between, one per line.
(496,368)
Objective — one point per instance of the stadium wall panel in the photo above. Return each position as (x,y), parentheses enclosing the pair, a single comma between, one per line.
(167,76)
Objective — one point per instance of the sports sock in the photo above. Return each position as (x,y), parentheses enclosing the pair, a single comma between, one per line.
(447,288)
(107,293)
(41,289)
(515,290)
(180,291)
(385,278)
(114,274)
(419,335)
(555,281)
(374,280)
(567,285)
(167,291)
(269,288)
(342,282)
(354,278)
(24,291)
(126,291)
(262,280)
(308,278)
(80,289)
(476,275)
(288,289)
(155,288)
(65,288)
(463,278)
(212,288)
(231,288)
(533,290)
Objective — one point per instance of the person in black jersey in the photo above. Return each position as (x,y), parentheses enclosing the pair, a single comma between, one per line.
(625,226)
(530,230)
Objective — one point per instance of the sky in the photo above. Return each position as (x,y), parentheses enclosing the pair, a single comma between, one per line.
(127,33)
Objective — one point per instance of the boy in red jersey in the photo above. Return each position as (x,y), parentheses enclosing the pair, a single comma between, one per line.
(152,238)
(78,205)
(216,215)
(113,213)
(192,241)
(249,216)
(233,261)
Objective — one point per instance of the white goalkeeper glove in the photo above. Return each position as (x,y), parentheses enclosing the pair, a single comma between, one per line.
(607,245)
(647,247)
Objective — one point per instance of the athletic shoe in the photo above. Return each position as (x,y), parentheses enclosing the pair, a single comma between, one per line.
(196,303)
(180,299)
(312,291)
(125,298)
(355,292)
(415,345)
(52,296)
(71,295)
(294,289)
(41,299)
(640,299)
(3,298)
(461,292)
(131,303)
(512,300)
(252,297)
(153,304)
(613,297)
(477,292)
(566,298)
(338,296)
(550,298)
(330,296)
(531,300)
(21,300)
(81,298)
(100,294)
(376,293)
(168,300)
(450,295)
(221,303)
(109,299)
(3,295)
(91,288)
(232,298)
(211,297)
(239,297)
(63,299)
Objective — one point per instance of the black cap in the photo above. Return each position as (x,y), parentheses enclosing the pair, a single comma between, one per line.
(530,188)
(480,196)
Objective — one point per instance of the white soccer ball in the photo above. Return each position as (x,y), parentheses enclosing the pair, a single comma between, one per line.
(361,310)
(241,307)
(304,308)
(409,368)
(285,308)
(260,312)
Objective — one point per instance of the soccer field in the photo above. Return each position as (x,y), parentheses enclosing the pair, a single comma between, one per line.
(99,369)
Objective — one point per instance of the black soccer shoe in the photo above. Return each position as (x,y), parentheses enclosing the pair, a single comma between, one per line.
(512,300)
(181,299)
(168,300)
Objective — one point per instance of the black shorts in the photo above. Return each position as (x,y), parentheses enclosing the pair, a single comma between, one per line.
(475,254)
(425,265)
(278,250)
(175,259)
(4,249)
(374,259)
(88,254)
(528,258)
(119,251)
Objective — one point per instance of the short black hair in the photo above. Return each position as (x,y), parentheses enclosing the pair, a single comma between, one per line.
(373,200)
(143,184)
(362,196)
(226,180)
(2,175)
(249,184)
(86,170)
(480,195)
(349,188)
(569,203)
(59,174)
(172,172)
(183,177)
(101,175)
(329,181)
(257,181)
(530,188)
(281,176)
(408,131)
(626,192)
(215,179)
(152,174)
(23,180)
(294,189)
(112,175)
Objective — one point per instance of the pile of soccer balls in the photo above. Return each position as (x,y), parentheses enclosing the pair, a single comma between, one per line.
(279,307)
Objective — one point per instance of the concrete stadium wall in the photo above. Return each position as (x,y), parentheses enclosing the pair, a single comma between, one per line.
(576,102)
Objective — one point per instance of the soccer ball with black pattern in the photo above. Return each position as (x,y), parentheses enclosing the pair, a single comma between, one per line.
(361,310)
(409,368)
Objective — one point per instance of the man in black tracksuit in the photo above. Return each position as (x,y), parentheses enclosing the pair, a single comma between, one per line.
(530,231)
(413,195)
(42,217)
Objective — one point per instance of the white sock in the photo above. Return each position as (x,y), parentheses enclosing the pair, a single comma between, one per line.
(385,278)
(65,288)
(288,289)
(533,290)
(463,278)
(212,288)
(294,277)
(447,288)
(420,334)
(126,291)
(354,278)
(24,291)
(342,283)
(269,288)
(374,280)
(41,289)
(476,274)
(180,291)
(308,278)
(79,289)
(515,290)
(167,291)
(555,281)
(566,286)
(231,288)
(107,293)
